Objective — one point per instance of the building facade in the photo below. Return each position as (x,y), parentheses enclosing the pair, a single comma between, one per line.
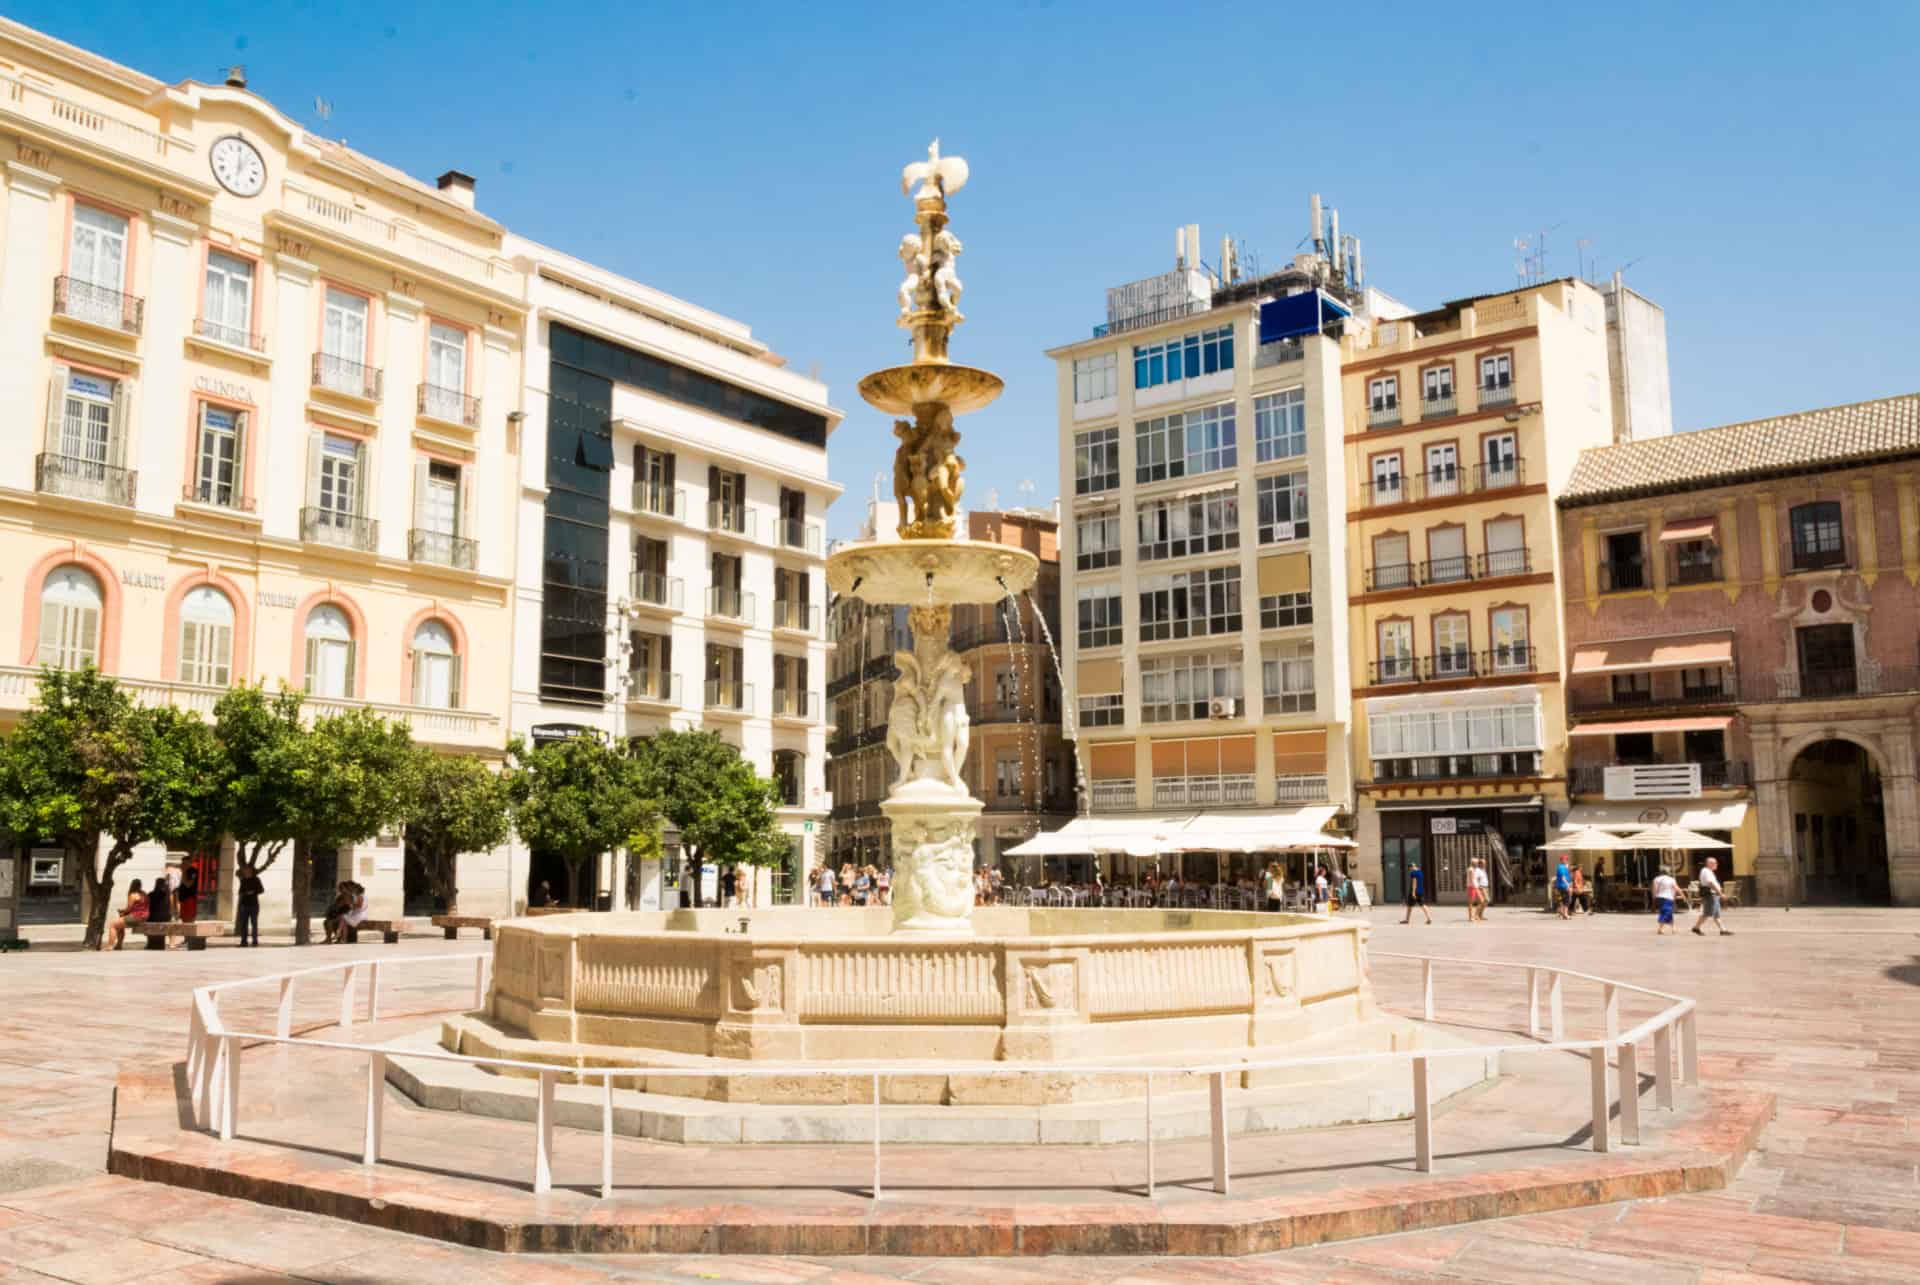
(1461,426)
(671,516)
(1203,562)
(1742,605)
(270,381)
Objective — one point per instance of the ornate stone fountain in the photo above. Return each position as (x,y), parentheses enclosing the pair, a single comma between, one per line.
(929,570)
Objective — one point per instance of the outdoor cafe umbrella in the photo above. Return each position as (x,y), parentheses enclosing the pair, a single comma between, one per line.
(1587,839)
(1672,841)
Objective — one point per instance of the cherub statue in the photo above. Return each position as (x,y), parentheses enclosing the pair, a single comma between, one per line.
(913,255)
(946,284)
(909,469)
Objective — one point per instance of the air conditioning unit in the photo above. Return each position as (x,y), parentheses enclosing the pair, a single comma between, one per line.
(1222,707)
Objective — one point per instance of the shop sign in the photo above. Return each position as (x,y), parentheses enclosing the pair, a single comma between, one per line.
(1444,825)
(224,389)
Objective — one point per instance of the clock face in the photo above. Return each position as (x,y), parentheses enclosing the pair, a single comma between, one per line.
(237,164)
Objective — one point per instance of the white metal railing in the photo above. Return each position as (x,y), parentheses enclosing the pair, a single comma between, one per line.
(1113,796)
(214,1059)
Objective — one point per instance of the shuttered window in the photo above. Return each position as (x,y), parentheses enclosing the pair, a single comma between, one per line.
(206,638)
(70,605)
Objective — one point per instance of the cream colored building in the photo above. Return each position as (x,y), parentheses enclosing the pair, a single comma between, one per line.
(1461,426)
(1203,564)
(262,387)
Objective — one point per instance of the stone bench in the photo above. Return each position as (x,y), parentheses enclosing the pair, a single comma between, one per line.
(196,933)
(452,924)
(388,929)
(553,910)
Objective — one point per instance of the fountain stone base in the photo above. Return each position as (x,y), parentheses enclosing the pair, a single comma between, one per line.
(933,830)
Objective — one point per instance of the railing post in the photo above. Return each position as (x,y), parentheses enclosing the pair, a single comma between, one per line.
(373,991)
(1597,1065)
(348,976)
(1556,1010)
(876,1136)
(1533,1002)
(543,1136)
(606,1136)
(1610,999)
(1627,1058)
(283,1025)
(1149,1135)
(376,1106)
(1426,987)
(1217,1110)
(479,982)
(229,1115)
(1663,1067)
(1689,1050)
(1422,1118)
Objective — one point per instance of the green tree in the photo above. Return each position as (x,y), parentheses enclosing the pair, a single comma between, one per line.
(460,805)
(724,809)
(578,798)
(262,744)
(356,775)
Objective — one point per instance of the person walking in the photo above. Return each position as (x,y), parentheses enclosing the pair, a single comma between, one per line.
(1579,896)
(1666,890)
(729,887)
(250,891)
(1416,893)
(1710,898)
(1476,892)
(1562,889)
(823,887)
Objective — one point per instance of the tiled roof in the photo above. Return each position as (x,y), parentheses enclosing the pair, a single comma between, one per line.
(1829,438)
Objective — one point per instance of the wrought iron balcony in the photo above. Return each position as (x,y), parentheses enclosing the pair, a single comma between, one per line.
(729,604)
(1438,407)
(1447,570)
(793,615)
(1693,566)
(333,526)
(1444,482)
(1394,669)
(1300,787)
(84,479)
(1201,791)
(220,332)
(1806,559)
(654,589)
(217,495)
(730,518)
(1393,575)
(1383,416)
(449,405)
(660,501)
(1514,658)
(1498,475)
(1456,663)
(98,306)
(444,549)
(1446,767)
(1503,562)
(1869,679)
(1496,394)
(1623,575)
(348,378)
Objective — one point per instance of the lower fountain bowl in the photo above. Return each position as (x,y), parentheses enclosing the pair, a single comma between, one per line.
(930,573)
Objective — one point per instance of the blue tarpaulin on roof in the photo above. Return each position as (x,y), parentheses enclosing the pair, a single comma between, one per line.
(1299,314)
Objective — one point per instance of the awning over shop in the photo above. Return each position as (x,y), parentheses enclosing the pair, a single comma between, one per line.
(1687,529)
(1628,817)
(1704,723)
(1270,830)
(1125,836)
(1694,651)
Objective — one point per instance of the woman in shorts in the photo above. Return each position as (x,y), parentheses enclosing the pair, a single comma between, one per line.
(1665,890)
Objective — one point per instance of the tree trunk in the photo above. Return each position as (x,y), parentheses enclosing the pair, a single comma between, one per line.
(302,882)
(447,875)
(99,890)
(573,882)
(259,866)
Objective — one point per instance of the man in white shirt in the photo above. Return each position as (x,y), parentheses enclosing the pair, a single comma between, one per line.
(1666,890)
(1710,897)
(1477,892)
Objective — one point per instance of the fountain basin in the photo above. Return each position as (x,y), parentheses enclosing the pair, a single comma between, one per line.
(686,989)
(931,573)
(898,389)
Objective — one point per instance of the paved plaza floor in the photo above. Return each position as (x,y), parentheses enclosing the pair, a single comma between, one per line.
(1821,1008)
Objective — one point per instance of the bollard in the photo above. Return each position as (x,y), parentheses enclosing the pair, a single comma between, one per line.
(1628,1060)
(376,1106)
(1217,1108)
(1597,1064)
(1422,1118)
(543,1136)
(1663,1067)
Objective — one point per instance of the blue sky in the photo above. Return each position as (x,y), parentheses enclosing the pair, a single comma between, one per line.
(1753,162)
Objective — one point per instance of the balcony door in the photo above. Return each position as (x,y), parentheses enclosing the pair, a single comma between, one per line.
(1386,479)
(1826,660)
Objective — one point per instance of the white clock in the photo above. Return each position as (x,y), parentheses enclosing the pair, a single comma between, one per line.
(238,166)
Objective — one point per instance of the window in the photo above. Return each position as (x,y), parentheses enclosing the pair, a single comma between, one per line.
(1190,524)
(1511,651)
(1476,730)
(1446,554)
(652,667)
(445,396)
(1106,710)
(206,638)
(217,456)
(1452,646)
(1702,684)
(1096,540)
(1282,504)
(337,482)
(1500,461)
(1443,470)
(1383,400)
(1436,384)
(1175,688)
(87,422)
(1100,624)
(96,267)
(1096,461)
(439,515)
(1392,563)
(1006,776)
(1817,539)
(1632,689)
(330,653)
(1188,357)
(789,772)
(1094,377)
(1005,692)
(70,605)
(343,326)
(1624,567)
(1496,372)
(1506,547)
(1386,479)
(1285,610)
(1181,445)
(1190,604)
(1696,561)
(1286,679)
(229,300)
(1396,650)
(1280,425)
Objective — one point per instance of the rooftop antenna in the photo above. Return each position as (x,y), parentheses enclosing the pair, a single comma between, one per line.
(323,108)
(1319,241)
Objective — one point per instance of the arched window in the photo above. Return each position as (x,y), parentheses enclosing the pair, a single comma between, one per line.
(436,667)
(206,638)
(330,653)
(789,772)
(70,601)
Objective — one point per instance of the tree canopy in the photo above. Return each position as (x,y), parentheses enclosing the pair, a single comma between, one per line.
(578,798)
(260,739)
(356,774)
(722,807)
(460,805)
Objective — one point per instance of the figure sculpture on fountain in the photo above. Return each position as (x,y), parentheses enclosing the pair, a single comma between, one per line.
(928,472)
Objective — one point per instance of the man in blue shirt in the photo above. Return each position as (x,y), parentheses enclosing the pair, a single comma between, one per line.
(1562,888)
(1416,893)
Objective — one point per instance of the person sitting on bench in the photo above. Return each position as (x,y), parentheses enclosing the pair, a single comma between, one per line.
(135,912)
(356,912)
(335,909)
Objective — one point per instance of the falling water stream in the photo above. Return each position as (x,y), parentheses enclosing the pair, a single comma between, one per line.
(1067,711)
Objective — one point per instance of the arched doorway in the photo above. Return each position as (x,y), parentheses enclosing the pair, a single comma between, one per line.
(1839,824)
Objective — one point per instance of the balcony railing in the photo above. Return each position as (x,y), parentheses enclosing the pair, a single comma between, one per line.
(1503,562)
(1394,669)
(442,549)
(332,526)
(654,589)
(1622,575)
(84,478)
(1496,394)
(729,694)
(848,742)
(1498,475)
(1112,796)
(660,501)
(880,666)
(1140,321)
(729,604)
(1818,559)
(1300,787)
(1453,663)
(1514,658)
(1436,407)
(1657,780)
(650,686)
(797,616)
(216,496)
(450,406)
(1202,791)
(1278,351)
(730,518)
(220,332)
(1447,767)
(1449,570)
(1393,575)
(1870,679)
(792,704)
(1383,416)
(798,533)
(97,305)
(1445,482)
(348,378)
(1693,566)
(1641,698)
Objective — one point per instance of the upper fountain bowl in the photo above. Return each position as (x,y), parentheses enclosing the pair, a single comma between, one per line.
(898,389)
(930,573)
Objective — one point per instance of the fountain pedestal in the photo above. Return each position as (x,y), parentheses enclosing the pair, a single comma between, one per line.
(933,831)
